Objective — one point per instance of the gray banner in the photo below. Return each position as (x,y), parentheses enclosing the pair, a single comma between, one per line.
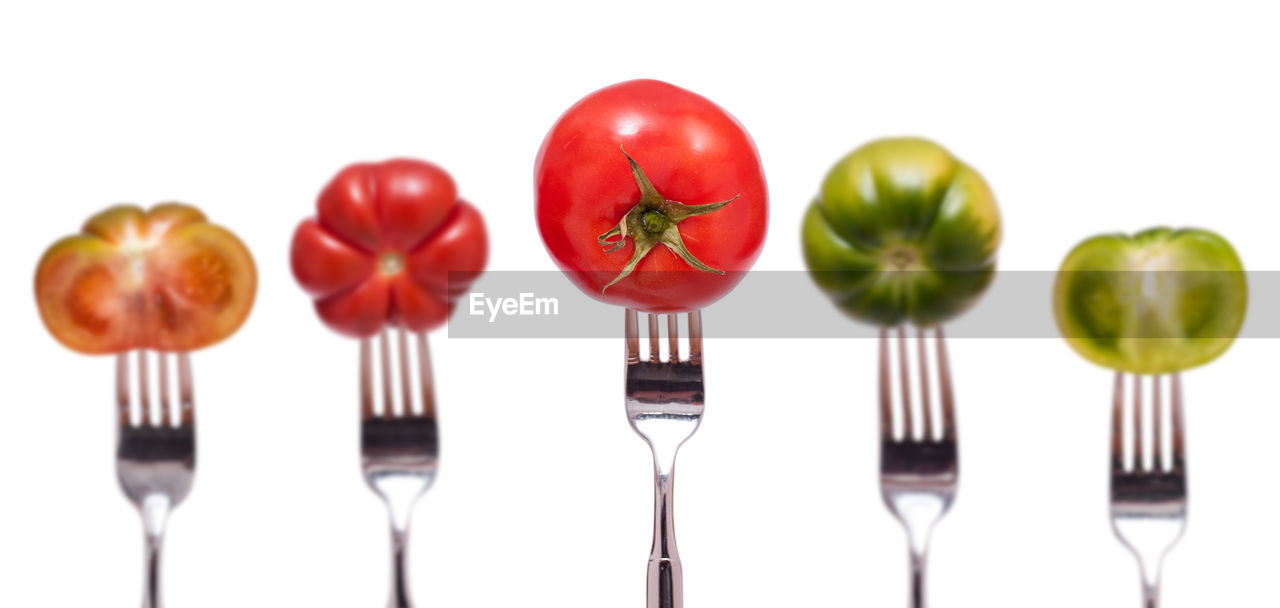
(1018,304)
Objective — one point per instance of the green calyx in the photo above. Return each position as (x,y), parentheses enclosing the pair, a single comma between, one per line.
(651,221)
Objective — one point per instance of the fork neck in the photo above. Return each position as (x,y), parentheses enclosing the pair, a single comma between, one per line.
(664,534)
(400,495)
(155,510)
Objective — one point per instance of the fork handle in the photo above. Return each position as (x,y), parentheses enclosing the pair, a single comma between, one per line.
(151,590)
(666,574)
(917,579)
(1150,595)
(666,584)
(399,570)
(155,514)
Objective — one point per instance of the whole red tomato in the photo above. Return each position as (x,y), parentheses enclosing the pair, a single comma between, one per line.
(651,197)
(391,243)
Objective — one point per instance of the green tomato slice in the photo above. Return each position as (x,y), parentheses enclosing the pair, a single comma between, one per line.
(1157,302)
(902,231)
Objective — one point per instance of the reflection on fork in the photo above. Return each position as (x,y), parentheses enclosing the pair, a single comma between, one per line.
(664,401)
(399,441)
(919,467)
(1148,488)
(155,450)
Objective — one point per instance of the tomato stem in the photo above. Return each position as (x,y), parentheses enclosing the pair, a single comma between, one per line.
(391,263)
(652,221)
(903,257)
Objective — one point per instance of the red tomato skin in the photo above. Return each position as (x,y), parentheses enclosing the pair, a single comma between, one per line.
(347,208)
(325,264)
(360,312)
(368,211)
(692,151)
(450,262)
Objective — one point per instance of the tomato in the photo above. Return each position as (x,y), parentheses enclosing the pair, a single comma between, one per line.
(902,231)
(164,279)
(391,244)
(641,164)
(1157,302)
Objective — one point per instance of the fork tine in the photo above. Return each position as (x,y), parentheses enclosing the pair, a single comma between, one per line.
(1138,463)
(1117,424)
(695,337)
(425,378)
(166,419)
(144,388)
(366,379)
(122,389)
(904,375)
(653,338)
(388,397)
(186,391)
(631,326)
(673,338)
(1175,407)
(945,393)
(925,404)
(1157,425)
(406,377)
(886,395)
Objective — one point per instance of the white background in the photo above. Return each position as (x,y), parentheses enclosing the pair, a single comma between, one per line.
(1092,117)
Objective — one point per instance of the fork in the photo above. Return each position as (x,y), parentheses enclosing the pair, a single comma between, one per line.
(156,455)
(664,405)
(1148,499)
(919,472)
(399,443)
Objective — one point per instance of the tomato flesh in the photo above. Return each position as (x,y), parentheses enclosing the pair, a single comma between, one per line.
(1157,302)
(164,279)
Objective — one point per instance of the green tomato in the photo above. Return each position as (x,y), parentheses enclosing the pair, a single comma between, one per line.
(1157,302)
(902,231)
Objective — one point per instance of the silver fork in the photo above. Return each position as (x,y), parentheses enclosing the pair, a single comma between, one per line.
(399,444)
(155,456)
(664,404)
(1148,499)
(919,472)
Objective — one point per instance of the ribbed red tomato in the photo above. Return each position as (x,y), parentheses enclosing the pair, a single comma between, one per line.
(391,244)
(641,164)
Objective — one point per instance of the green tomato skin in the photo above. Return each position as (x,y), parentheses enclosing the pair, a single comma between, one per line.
(902,231)
(1158,302)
